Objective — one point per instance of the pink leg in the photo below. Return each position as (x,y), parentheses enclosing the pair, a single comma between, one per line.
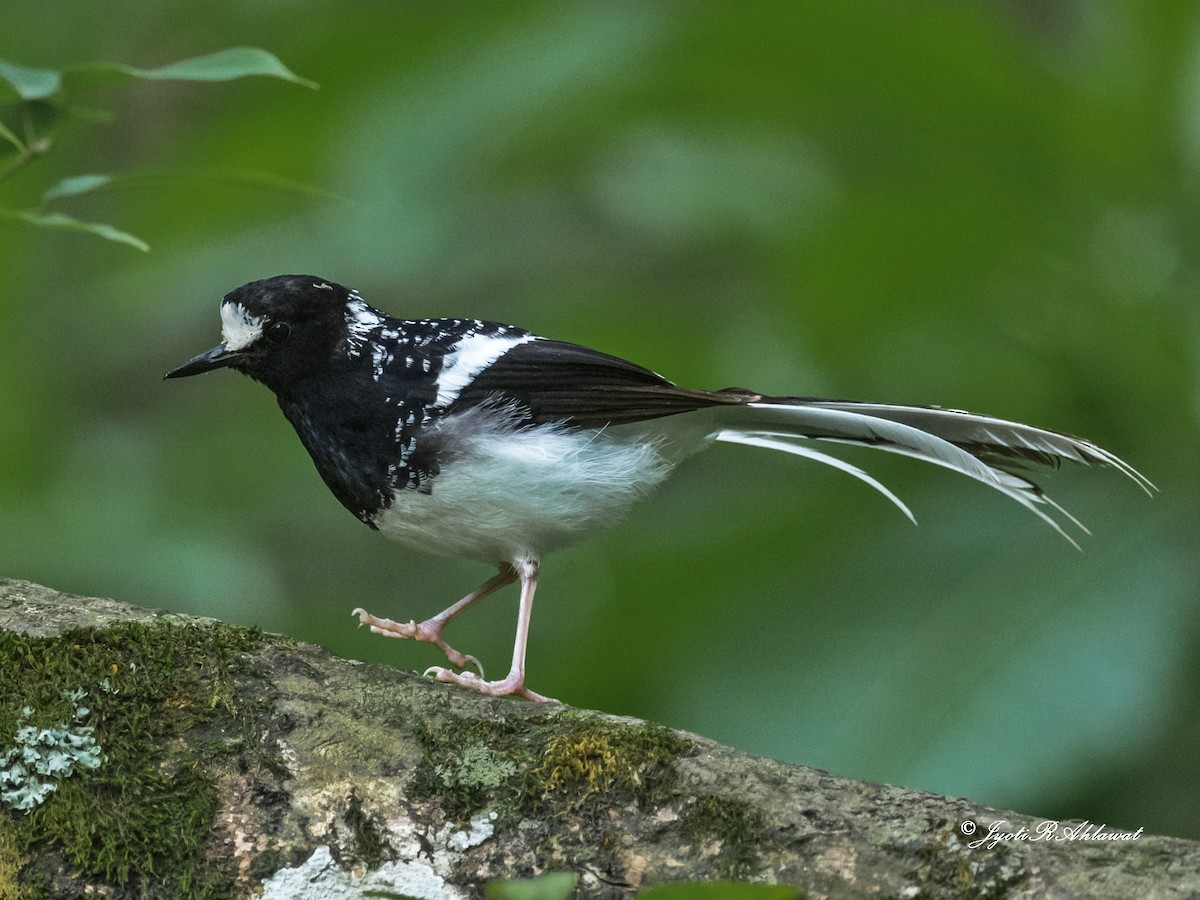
(430,631)
(514,683)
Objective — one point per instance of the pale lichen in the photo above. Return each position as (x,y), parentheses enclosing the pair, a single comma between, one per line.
(32,768)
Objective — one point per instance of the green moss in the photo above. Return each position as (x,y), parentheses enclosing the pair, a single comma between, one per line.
(142,818)
(555,765)
(621,761)
(12,861)
(372,847)
(470,765)
(738,827)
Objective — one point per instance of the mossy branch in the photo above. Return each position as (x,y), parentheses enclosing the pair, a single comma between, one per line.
(237,762)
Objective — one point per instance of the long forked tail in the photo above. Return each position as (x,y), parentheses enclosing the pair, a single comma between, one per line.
(989,450)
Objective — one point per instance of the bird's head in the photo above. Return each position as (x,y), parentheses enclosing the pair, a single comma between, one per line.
(277,330)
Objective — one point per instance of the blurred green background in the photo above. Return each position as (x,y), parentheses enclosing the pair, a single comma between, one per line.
(991,206)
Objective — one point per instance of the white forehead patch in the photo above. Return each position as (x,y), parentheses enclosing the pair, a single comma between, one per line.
(239,329)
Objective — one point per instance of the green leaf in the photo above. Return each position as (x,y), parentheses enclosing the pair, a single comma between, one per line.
(29,84)
(225,65)
(58,220)
(721,890)
(551,886)
(77,185)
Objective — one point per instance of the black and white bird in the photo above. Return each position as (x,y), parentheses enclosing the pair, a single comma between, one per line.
(484,441)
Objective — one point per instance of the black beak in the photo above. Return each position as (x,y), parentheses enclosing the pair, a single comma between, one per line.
(216,358)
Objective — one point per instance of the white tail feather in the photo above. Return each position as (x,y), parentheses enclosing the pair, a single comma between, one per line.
(979,447)
(773,442)
(1020,489)
(964,427)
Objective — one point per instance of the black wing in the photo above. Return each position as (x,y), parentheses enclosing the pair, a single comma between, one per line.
(552,381)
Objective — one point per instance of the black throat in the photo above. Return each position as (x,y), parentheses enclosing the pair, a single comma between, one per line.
(364,433)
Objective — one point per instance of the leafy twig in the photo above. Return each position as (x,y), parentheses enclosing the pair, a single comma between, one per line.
(57,91)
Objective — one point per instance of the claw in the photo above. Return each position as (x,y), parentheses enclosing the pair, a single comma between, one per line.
(437,671)
(512,686)
(430,632)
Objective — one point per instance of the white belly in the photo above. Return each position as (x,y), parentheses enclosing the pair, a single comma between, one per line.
(509,495)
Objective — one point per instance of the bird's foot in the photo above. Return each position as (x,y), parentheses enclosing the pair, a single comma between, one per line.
(428,632)
(512,686)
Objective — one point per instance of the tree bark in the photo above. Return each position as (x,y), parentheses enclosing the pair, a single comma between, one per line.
(284,770)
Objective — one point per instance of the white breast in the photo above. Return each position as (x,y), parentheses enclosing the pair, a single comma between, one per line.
(504,494)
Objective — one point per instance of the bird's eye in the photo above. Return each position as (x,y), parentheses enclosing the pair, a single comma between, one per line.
(277,332)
